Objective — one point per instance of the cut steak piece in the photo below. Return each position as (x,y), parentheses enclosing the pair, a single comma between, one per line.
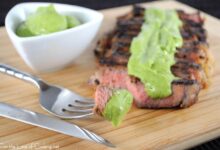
(192,67)
(102,95)
(184,92)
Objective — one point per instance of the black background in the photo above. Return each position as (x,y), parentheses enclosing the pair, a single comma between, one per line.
(209,6)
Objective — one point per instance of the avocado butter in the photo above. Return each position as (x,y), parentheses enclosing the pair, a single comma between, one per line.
(44,21)
(152,51)
(118,106)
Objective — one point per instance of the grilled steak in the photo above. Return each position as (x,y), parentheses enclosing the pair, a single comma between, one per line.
(185,92)
(102,94)
(192,65)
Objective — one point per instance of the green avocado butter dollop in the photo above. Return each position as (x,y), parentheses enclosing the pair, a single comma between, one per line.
(44,21)
(152,51)
(118,106)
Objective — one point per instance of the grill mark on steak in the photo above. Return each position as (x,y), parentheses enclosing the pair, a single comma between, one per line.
(187,70)
(191,61)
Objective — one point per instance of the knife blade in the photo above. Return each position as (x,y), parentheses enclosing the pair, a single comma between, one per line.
(46,122)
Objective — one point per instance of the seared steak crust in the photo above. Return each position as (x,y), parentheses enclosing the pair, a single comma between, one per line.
(191,67)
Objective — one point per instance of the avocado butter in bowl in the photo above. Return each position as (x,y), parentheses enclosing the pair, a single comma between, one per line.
(51,36)
(45,20)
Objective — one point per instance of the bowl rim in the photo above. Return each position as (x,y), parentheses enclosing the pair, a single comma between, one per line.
(87,11)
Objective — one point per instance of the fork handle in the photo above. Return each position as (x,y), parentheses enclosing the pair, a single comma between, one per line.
(9,70)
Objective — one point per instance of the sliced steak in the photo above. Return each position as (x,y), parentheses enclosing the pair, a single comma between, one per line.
(184,93)
(102,95)
(192,65)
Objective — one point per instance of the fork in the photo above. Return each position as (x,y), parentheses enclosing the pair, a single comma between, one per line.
(58,101)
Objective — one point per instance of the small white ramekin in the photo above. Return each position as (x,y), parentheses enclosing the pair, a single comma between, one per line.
(56,50)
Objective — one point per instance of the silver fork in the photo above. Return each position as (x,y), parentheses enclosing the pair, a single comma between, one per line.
(58,101)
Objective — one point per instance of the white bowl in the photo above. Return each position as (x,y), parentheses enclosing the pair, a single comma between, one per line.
(56,50)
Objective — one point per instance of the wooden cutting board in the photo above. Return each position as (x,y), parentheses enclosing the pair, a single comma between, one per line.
(141,129)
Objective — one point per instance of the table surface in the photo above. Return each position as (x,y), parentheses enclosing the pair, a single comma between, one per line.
(142,128)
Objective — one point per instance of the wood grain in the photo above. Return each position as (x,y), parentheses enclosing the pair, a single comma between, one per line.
(141,129)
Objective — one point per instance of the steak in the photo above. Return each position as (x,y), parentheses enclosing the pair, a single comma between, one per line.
(102,94)
(192,67)
(184,93)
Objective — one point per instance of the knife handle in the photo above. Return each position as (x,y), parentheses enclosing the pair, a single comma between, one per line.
(9,70)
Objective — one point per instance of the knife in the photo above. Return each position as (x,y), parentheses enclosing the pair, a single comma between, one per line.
(46,122)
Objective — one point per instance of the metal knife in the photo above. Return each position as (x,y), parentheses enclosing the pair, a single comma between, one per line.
(44,121)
